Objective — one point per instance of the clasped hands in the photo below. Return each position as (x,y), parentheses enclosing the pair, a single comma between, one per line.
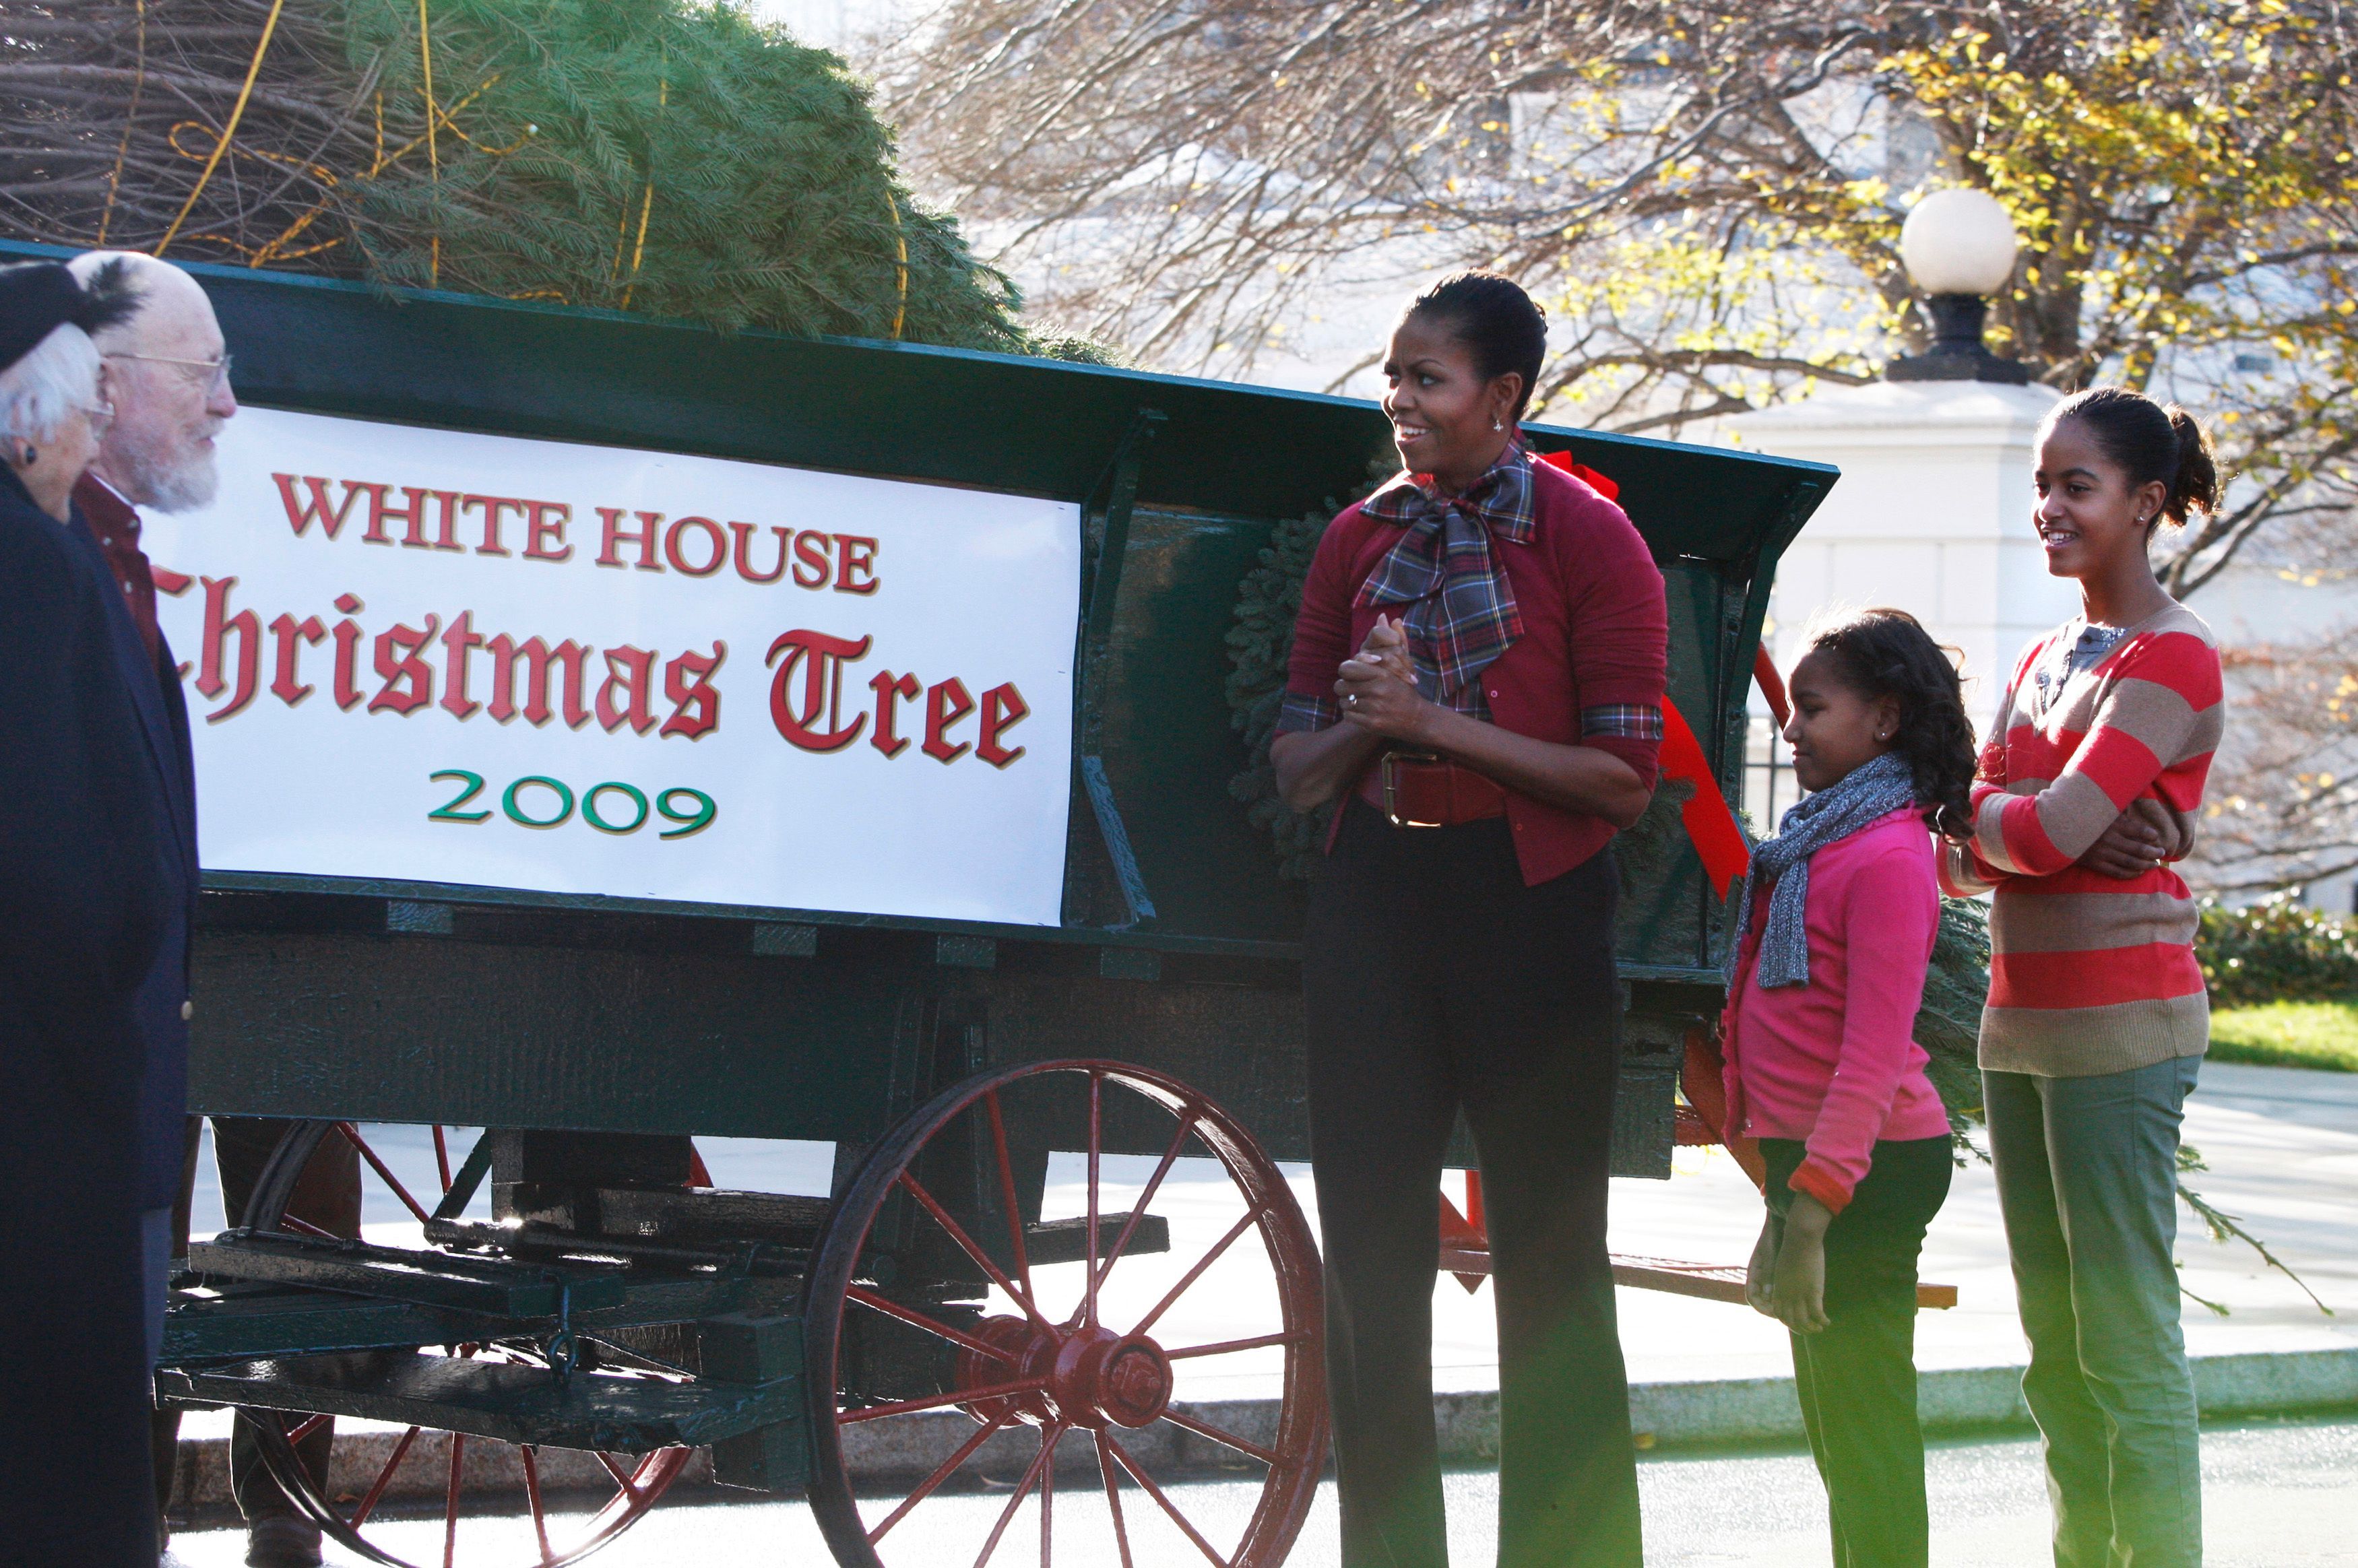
(1376,686)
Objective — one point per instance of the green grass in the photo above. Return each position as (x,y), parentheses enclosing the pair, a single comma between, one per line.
(2288,1034)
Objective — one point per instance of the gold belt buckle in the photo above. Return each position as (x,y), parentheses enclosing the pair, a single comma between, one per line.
(1390,776)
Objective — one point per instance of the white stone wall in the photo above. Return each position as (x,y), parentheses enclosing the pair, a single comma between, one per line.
(1931,515)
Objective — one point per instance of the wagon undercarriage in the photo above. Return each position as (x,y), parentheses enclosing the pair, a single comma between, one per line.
(612,1307)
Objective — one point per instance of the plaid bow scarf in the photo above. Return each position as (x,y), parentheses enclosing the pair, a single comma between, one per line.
(1461,612)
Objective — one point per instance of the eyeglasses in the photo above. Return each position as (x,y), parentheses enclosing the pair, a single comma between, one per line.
(216,371)
(101,417)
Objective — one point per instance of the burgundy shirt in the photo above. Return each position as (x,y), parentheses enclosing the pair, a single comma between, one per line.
(1596,635)
(116,525)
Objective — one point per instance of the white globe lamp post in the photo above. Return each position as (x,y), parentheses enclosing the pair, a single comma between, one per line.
(1959,247)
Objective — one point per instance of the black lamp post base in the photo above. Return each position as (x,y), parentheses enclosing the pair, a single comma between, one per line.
(1958,352)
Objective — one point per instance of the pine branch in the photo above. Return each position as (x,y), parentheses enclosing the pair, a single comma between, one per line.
(2223,1228)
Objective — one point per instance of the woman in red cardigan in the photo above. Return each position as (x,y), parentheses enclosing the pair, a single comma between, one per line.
(1477,677)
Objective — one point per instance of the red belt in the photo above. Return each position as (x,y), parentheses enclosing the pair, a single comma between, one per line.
(1416,789)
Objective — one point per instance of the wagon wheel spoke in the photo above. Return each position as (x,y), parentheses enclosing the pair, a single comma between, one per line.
(916,1189)
(307,1429)
(384,1478)
(916,1319)
(442,1156)
(1226,1438)
(532,1496)
(450,1501)
(1251,1217)
(385,1171)
(289,1222)
(1088,1313)
(1231,1347)
(623,1478)
(1007,1194)
(1048,1494)
(1145,1197)
(1146,1484)
(942,1472)
(1113,1496)
(1030,1479)
(936,1402)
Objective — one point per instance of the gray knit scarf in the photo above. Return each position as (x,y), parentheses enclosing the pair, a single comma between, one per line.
(1873,790)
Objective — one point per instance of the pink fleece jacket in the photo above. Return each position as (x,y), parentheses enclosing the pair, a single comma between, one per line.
(1835,1063)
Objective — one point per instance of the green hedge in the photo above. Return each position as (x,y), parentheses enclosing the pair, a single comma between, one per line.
(2276,949)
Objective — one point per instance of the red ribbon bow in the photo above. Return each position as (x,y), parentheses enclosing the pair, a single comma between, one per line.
(1718,840)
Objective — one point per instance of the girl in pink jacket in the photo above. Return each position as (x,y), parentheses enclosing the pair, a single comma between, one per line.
(1835,932)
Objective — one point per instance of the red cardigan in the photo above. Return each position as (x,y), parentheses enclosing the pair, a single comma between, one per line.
(1595,633)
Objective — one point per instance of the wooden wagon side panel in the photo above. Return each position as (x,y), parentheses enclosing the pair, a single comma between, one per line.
(428,1030)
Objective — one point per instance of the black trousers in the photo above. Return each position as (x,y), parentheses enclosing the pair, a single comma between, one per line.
(328,1196)
(1856,1377)
(1436,982)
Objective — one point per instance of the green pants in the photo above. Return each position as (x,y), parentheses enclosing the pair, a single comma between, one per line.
(2087,1178)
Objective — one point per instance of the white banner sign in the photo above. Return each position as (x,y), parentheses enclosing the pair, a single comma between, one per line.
(443,658)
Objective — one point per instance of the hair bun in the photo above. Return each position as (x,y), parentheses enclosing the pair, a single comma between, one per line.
(2196,489)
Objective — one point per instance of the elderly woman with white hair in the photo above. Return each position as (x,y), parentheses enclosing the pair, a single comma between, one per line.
(83,830)
(52,416)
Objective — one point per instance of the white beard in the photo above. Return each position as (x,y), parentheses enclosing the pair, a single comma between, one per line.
(153,479)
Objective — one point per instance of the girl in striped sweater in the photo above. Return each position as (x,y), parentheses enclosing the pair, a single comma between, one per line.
(2097,1018)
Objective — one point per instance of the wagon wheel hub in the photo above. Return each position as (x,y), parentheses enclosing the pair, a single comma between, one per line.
(1095,1378)
(1044,1379)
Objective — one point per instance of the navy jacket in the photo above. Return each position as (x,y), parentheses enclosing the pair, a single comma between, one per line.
(155,688)
(83,910)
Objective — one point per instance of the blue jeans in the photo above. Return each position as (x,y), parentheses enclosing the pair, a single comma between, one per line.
(2087,1178)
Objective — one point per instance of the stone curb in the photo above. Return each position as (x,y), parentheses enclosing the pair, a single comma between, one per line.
(1958,1400)
(1665,1415)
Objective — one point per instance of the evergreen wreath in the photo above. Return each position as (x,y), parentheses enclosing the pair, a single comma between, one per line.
(1260,644)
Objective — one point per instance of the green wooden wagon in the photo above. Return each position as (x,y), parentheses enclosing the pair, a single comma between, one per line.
(866,1350)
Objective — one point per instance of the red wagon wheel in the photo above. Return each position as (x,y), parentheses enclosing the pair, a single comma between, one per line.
(480,1525)
(1044,1370)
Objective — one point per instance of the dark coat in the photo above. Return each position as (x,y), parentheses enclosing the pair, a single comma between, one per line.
(162,1022)
(84,831)
(154,687)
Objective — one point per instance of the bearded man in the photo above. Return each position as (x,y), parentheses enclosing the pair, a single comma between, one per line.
(169,373)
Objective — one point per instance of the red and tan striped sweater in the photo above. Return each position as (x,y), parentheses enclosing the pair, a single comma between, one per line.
(2090,974)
